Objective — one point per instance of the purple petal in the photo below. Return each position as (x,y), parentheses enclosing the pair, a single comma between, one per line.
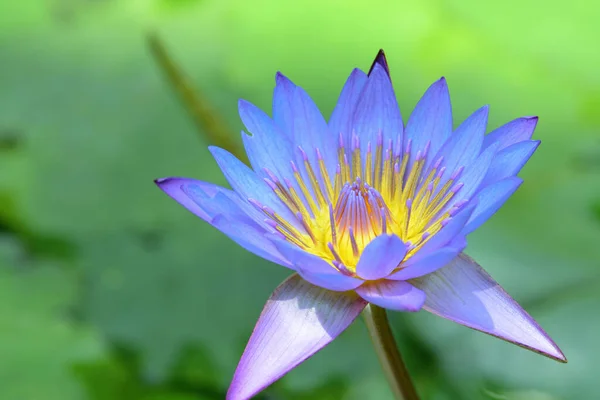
(249,185)
(463,147)
(431,120)
(430,262)
(298,320)
(464,293)
(173,187)
(316,270)
(268,147)
(393,295)
(509,161)
(377,112)
(381,256)
(299,116)
(489,200)
(516,131)
(251,238)
(474,174)
(446,234)
(343,113)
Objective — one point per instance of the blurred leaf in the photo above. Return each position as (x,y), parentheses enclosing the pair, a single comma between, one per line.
(207,119)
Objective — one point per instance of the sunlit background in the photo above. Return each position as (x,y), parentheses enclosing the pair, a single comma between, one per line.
(110,290)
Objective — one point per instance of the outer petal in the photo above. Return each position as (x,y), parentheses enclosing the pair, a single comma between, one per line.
(343,113)
(474,174)
(393,295)
(173,187)
(298,320)
(509,161)
(513,132)
(429,263)
(223,209)
(380,257)
(463,147)
(377,112)
(489,200)
(250,238)
(249,185)
(464,293)
(431,120)
(316,270)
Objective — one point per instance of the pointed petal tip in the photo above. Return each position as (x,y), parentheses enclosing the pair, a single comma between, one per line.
(380,60)
(298,320)
(464,293)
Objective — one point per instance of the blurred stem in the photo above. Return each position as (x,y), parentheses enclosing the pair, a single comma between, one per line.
(206,118)
(388,353)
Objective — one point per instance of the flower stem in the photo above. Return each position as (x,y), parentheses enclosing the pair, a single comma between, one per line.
(388,353)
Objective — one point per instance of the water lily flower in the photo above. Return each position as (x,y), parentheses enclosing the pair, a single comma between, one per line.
(364,209)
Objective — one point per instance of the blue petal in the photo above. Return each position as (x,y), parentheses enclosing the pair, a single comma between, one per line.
(449,233)
(429,263)
(268,147)
(431,120)
(343,114)
(463,147)
(490,199)
(464,293)
(377,112)
(250,238)
(249,185)
(509,161)
(298,320)
(515,131)
(381,256)
(173,187)
(474,174)
(393,295)
(316,270)
(226,211)
(283,104)
(299,116)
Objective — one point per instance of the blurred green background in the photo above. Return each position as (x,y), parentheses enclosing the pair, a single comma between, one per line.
(110,290)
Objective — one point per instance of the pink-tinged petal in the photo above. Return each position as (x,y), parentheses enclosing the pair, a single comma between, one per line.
(431,120)
(173,188)
(429,263)
(316,270)
(464,293)
(393,295)
(513,132)
(381,257)
(298,320)
(489,200)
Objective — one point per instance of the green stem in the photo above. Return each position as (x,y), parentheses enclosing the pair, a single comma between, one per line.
(388,353)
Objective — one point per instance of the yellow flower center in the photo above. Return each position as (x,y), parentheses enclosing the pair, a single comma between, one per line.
(383,194)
